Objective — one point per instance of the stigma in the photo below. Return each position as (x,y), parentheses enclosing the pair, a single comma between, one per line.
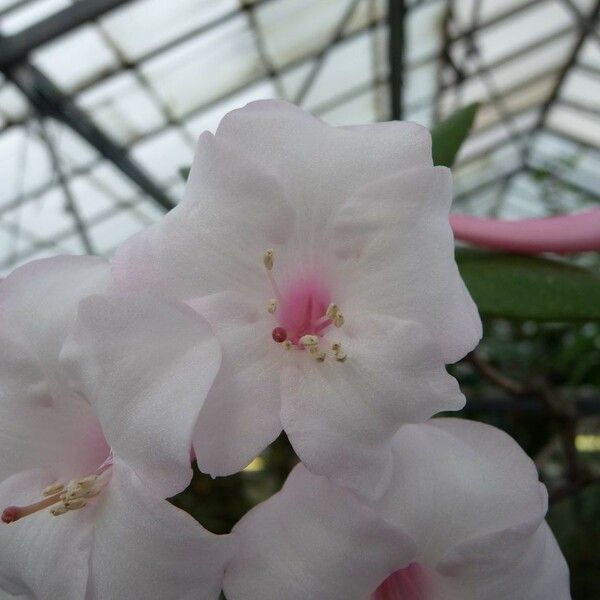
(62,498)
(305,314)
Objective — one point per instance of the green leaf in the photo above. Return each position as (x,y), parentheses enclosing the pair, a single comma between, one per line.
(527,287)
(448,135)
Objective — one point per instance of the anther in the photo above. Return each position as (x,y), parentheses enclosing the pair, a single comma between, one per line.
(74,504)
(332,311)
(56,511)
(268,259)
(338,353)
(338,320)
(309,340)
(272,305)
(288,345)
(53,489)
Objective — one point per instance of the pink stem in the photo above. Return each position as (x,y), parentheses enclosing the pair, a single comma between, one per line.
(563,234)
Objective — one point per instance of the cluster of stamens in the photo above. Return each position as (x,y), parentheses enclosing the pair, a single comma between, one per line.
(60,498)
(310,342)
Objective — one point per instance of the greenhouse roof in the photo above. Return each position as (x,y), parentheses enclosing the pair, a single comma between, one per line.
(129,85)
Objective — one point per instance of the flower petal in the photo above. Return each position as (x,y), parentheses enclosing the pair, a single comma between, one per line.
(537,571)
(146,365)
(145,547)
(241,414)
(42,556)
(215,239)
(396,235)
(340,417)
(313,540)
(456,481)
(288,141)
(38,301)
(41,423)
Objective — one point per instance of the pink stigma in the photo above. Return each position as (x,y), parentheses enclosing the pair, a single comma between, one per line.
(279,334)
(409,583)
(302,308)
(10,514)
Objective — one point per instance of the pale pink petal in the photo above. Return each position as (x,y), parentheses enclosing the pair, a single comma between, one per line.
(38,302)
(146,365)
(313,541)
(396,237)
(241,414)
(537,570)
(145,547)
(42,556)
(39,429)
(456,481)
(40,421)
(340,417)
(289,142)
(216,242)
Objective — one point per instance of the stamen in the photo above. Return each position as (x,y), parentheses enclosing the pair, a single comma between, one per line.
(338,353)
(338,321)
(309,340)
(53,489)
(272,305)
(269,259)
(332,311)
(288,345)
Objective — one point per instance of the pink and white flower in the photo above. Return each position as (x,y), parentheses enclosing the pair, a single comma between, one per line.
(323,258)
(463,519)
(90,444)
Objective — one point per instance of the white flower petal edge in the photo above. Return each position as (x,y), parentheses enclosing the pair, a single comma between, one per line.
(466,495)
(294,237)
(145,364)
(313,540)
(120,404)
(146,548)
(39,416)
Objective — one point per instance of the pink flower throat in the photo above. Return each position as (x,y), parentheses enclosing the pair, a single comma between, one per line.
(304,312)
(409,583)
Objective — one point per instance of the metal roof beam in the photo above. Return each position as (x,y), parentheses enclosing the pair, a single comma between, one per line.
(16,48)
(49,101)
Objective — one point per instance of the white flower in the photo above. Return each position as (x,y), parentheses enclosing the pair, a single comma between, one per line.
(90,444)
(324,261)
(462,520)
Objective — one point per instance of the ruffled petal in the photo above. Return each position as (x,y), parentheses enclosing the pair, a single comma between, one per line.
(38,302)
(42,556)
(241,414)
(290,143)
(340,417)
(457,481)
(41,423)
(313,540)
(146,365)
(536,570)
(396,235)
(38,429)
(215,242)
(145,547)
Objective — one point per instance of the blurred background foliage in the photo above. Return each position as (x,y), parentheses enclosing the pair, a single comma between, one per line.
(535,374)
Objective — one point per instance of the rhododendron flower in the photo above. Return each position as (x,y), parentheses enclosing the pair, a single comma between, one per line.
(463,519)
(324,260)
(89,443)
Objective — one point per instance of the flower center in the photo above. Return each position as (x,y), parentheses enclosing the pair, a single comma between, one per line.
(304,312)
(61,498)
(409,583)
